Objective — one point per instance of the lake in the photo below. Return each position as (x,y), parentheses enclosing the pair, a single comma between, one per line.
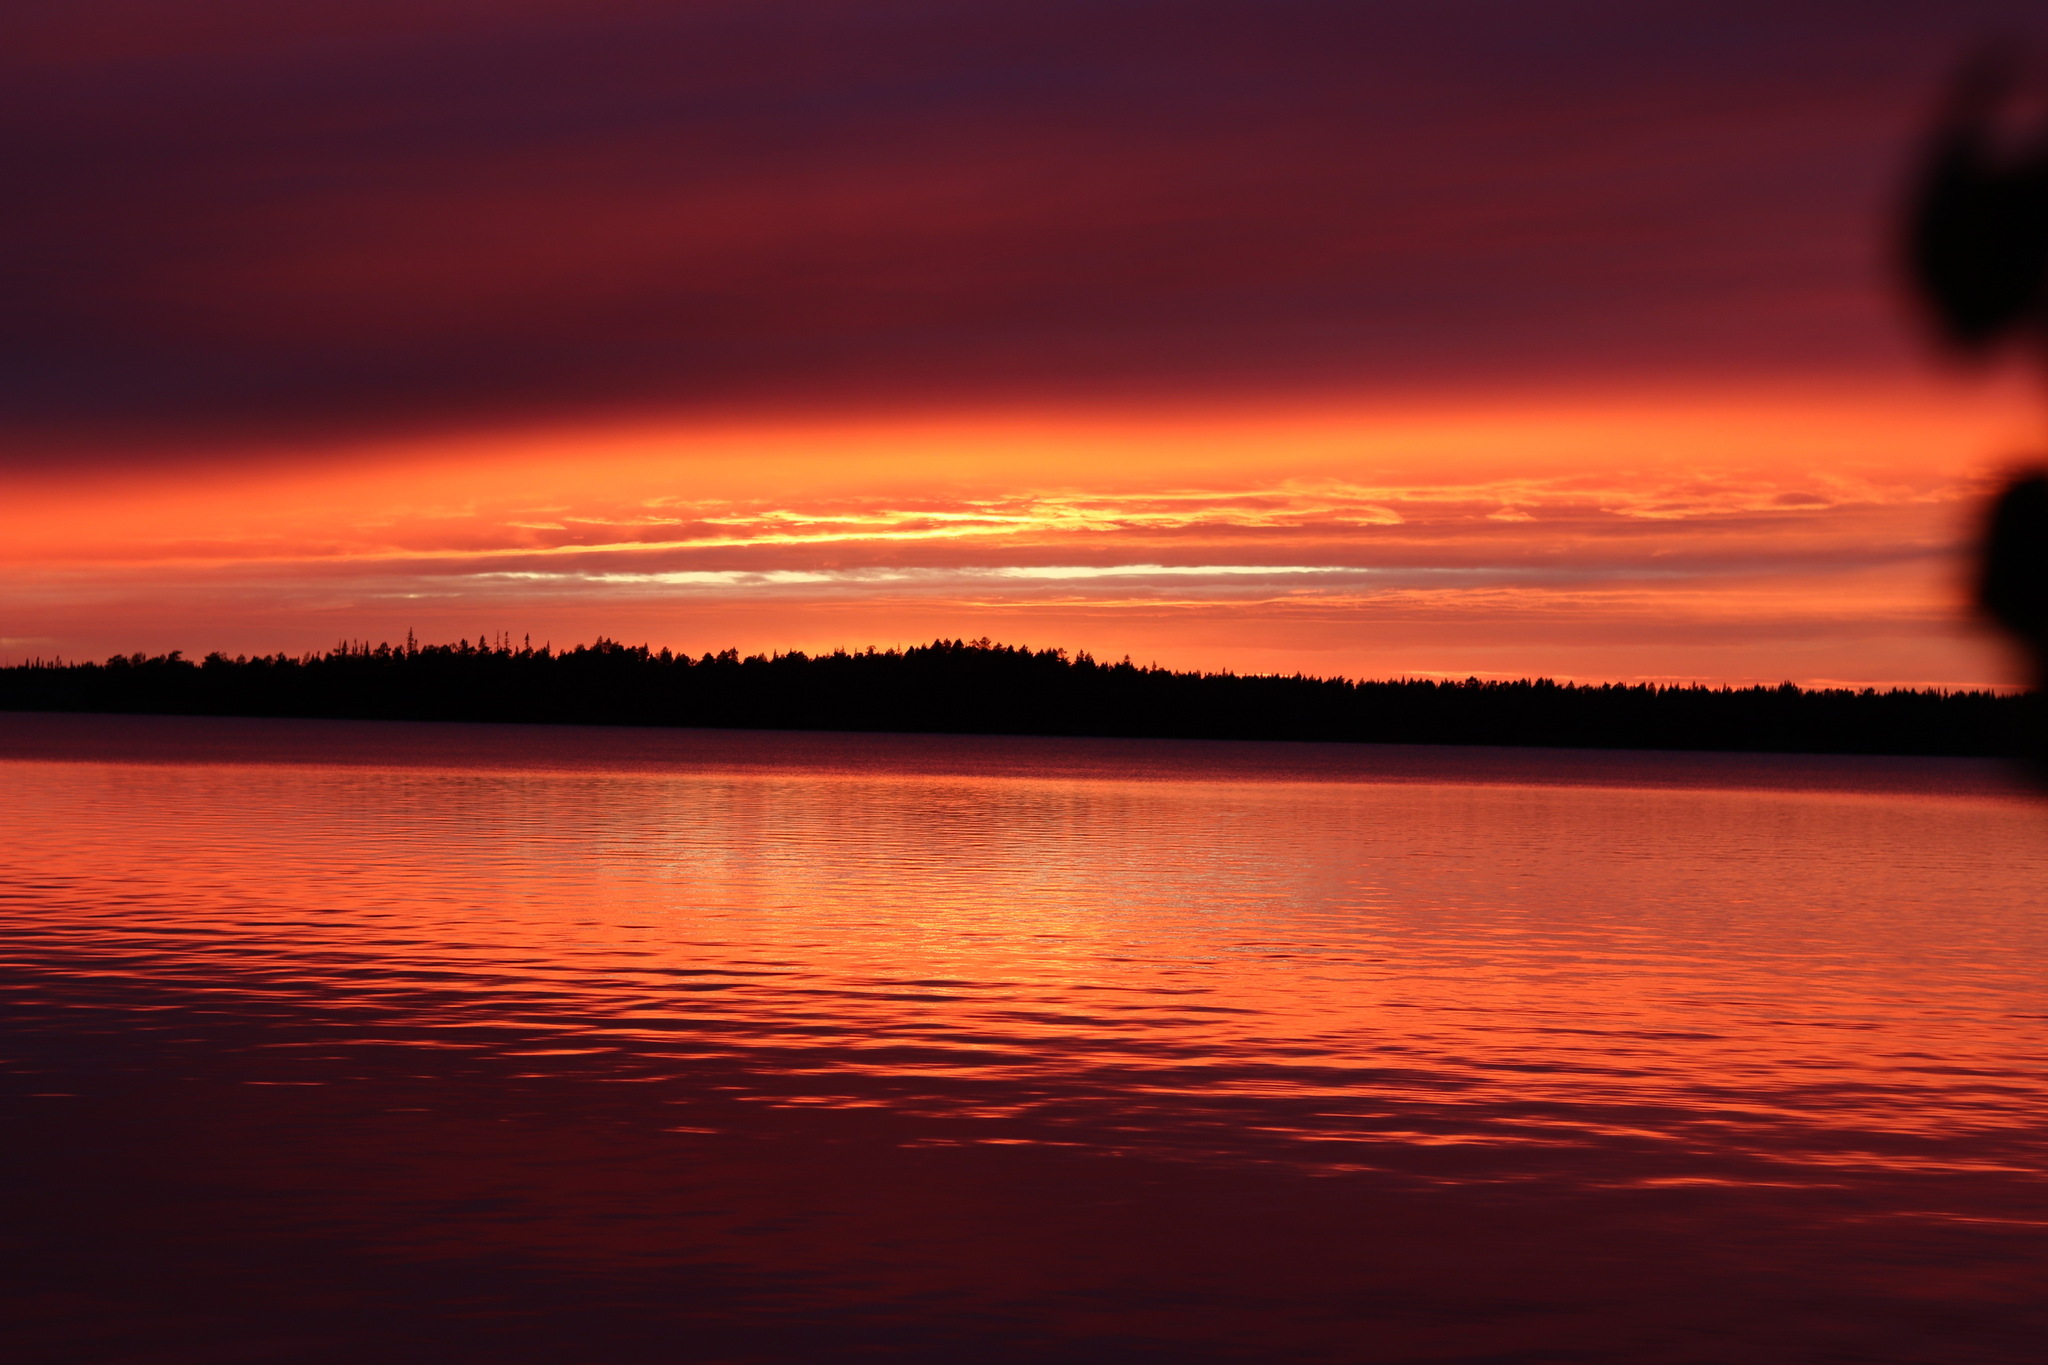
(352,1041)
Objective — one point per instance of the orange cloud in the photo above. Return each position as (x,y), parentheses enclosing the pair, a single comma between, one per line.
(1759,536)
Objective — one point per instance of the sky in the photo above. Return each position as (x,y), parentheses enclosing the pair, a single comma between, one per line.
(1445,339)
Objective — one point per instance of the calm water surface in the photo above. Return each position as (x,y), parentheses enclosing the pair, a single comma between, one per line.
(340,1041)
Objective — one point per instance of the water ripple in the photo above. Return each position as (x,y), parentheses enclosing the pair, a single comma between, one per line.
(1481,978)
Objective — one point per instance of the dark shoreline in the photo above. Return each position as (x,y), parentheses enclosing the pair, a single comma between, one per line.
(471,747)
(957,687)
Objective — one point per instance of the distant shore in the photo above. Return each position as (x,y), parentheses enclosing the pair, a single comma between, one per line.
(979,687)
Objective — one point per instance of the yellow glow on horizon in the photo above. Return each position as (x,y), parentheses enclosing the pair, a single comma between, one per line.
(1199,530)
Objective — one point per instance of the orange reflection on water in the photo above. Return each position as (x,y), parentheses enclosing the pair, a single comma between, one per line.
(743,994)
(1795,961)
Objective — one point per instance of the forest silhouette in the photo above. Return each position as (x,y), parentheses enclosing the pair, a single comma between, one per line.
(980,687)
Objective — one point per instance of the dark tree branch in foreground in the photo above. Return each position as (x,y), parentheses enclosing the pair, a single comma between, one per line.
(978,687)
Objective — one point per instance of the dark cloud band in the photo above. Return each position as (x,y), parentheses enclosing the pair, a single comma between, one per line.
(319,219)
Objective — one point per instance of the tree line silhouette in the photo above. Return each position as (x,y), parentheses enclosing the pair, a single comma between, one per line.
(980,687)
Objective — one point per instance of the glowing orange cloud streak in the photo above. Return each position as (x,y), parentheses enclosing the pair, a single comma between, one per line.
(1725,537)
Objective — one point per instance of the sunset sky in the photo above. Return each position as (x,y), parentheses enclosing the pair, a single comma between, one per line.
(1377,339)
